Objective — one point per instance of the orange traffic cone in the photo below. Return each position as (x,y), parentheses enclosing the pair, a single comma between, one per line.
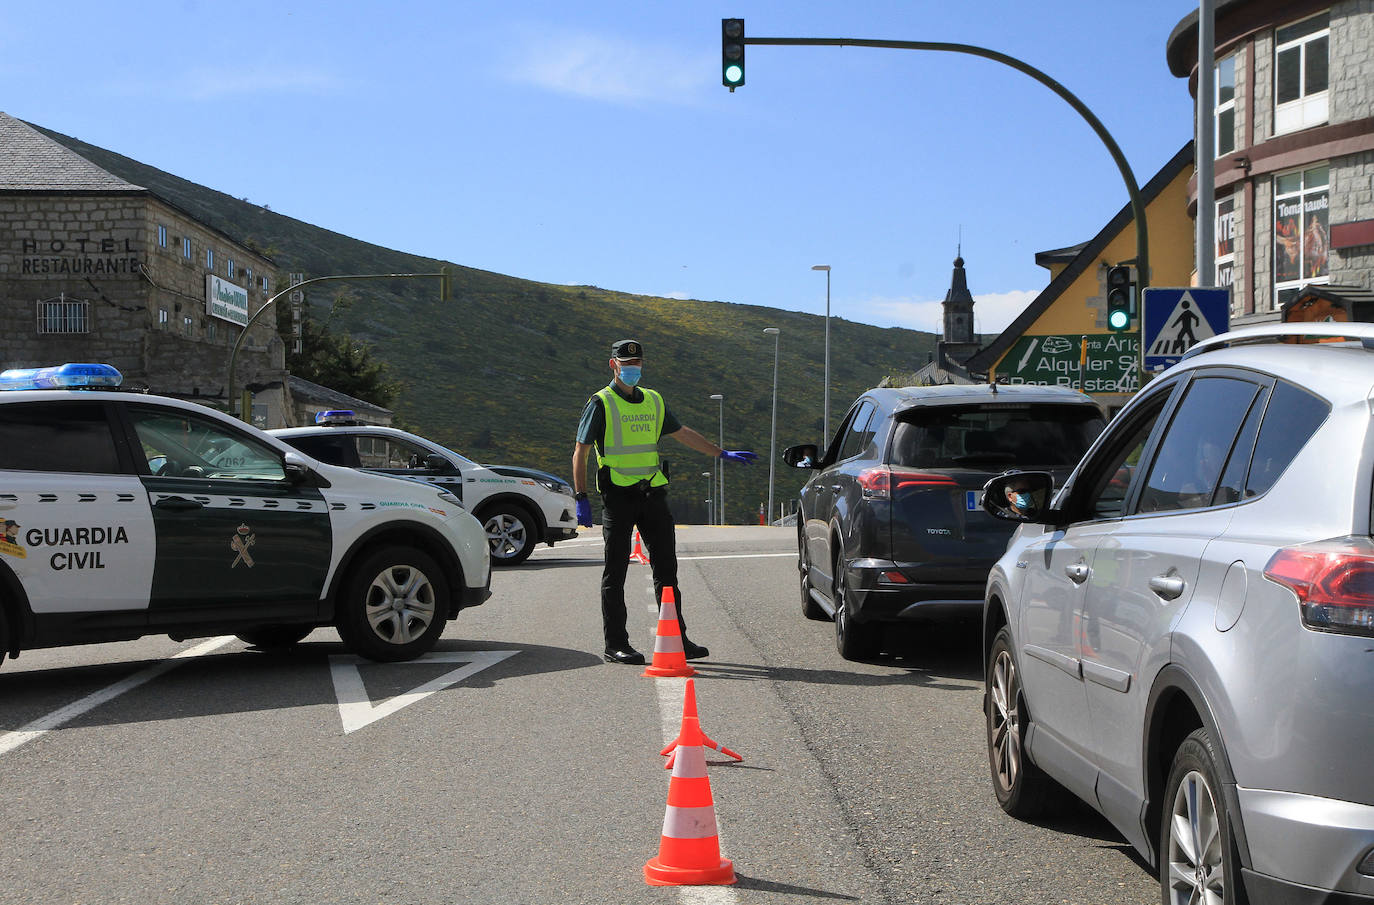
(689,711)
(669,658)
(689,848)
(638,555)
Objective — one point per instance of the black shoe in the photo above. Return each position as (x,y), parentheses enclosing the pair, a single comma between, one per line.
(694,651)
(627,655)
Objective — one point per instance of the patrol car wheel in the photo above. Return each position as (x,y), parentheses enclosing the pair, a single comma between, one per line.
(275,637)
(394,607)
(510,534)
(4,636)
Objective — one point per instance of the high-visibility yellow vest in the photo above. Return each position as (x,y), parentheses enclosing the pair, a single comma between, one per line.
(629,447)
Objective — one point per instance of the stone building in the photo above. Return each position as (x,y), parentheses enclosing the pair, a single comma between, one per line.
(95,268)
(958,341)
(1294,171)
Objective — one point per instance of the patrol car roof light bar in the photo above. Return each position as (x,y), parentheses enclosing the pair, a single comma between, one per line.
(1142,260)
(444,295)
(70,376)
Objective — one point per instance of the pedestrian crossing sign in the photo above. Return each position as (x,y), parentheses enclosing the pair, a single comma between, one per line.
(1175,320)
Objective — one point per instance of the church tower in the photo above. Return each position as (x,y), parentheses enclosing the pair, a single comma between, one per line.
(959,341)
(958,306)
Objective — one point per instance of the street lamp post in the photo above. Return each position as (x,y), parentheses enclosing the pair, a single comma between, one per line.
(826,422)
(720,497)
(773,435)
(443,275)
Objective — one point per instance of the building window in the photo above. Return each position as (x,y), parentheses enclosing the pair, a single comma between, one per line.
(229,268)
(64,315)
(1300,62)
(248,276)
(1226,106)
(264,282)
(1300,230)
(1226,241)
(210,330)
(162,318)
(161,236)
(186,247)
(210,258)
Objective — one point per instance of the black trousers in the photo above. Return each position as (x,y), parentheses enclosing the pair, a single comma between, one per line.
(624,509)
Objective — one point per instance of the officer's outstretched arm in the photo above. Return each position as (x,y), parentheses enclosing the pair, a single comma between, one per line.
(693,440)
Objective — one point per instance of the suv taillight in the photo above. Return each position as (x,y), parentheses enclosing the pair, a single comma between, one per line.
(880,483)
(1334,581)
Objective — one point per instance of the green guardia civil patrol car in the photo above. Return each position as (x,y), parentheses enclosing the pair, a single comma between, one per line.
(123,515)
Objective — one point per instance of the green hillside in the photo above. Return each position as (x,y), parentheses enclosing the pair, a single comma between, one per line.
(501,372)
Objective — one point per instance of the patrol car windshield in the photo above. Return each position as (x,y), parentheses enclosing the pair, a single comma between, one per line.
(183,445)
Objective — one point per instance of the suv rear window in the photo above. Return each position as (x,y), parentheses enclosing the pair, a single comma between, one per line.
(1025,435)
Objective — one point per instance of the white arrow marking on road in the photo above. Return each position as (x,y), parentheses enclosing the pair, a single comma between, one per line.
(356,708)
(11,740)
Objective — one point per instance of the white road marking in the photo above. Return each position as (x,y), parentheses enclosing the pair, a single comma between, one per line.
(44,724)
(670,693)
(736,556)
(356,709)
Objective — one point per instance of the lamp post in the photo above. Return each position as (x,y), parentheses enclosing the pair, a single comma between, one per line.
(444,290)
(710,482)
(720,466)
(826,422)
(773,435)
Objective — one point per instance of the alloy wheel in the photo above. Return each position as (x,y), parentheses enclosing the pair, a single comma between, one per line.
(1196,871)
(506,535)
(400,604)
(1004,722)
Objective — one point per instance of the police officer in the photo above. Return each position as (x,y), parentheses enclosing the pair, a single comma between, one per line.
(623,423)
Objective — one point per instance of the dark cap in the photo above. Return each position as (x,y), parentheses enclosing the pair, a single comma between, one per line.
(625,349)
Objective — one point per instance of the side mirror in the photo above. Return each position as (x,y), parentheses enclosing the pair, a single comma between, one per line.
(803,456)
(298,471)
(438,464)
(1019,496)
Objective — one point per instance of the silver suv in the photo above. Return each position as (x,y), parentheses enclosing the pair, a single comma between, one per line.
(1183,635)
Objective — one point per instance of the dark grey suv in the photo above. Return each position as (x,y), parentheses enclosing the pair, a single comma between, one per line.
(890,526)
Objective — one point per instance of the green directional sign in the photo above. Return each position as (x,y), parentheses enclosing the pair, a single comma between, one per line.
(1111,365)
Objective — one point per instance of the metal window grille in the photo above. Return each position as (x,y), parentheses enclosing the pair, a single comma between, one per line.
(64,315)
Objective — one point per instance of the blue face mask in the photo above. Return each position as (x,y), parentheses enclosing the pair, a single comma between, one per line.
(629,375)
(1023,502)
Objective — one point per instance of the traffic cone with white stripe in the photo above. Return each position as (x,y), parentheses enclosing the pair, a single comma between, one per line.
(689,848)
(638,555)
(669,658)
(689,711)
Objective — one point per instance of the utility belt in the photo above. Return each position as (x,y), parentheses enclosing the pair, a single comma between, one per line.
(640,488)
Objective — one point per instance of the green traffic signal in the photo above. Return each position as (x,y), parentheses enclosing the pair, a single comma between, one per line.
(732,53)
(1119,307)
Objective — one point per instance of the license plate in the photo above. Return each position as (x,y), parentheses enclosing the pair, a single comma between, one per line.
(971,500)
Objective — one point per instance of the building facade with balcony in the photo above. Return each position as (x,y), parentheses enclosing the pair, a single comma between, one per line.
(1294,169)
(95,268)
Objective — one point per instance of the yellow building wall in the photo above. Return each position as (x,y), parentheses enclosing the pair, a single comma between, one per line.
(1080,308)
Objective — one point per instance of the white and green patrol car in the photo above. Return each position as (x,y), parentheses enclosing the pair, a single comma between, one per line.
(518,507)
(123,515)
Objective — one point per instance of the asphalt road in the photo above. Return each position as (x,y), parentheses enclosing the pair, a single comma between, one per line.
(513,766)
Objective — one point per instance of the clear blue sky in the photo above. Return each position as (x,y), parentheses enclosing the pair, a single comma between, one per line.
(590,142)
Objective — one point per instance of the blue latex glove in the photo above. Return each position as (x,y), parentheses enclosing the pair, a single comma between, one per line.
(739,455)
(584,513)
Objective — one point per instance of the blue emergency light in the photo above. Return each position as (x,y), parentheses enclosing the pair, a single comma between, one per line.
(336,416)
(68,376)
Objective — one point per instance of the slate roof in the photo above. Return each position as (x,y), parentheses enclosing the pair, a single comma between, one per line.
(32,162)
(304,391)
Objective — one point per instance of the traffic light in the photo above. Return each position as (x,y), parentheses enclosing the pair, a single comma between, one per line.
(732,53)
(1120,310)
